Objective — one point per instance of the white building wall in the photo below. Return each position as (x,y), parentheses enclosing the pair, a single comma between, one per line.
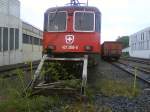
(10,18)
(31,52)
(140,44)
(14,8)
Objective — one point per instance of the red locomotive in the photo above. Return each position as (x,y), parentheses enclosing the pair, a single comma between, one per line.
(71,34)
(72,31)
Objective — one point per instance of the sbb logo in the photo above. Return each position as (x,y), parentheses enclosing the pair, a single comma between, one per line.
(69,39)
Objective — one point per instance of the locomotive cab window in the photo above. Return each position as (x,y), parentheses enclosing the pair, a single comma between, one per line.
(84,21)
(57,21)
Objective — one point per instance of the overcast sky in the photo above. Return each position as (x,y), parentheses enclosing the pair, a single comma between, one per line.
(119,17)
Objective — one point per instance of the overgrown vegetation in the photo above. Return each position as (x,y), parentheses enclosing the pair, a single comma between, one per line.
(56,71)
(117,88)
(12,98)
(60,72)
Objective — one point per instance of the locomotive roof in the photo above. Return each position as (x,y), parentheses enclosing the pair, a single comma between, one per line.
(77,8)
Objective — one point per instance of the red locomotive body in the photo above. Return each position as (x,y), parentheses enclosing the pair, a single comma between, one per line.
(72,30)
(111,50)
(71,38)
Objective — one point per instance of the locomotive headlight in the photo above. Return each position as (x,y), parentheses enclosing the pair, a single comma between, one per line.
(52,47)
(88,48)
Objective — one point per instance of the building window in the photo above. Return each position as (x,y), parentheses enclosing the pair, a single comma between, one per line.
(40,41)
(30,39)
(149,36)
(142,36)
(25,39)
(136,38)
(0,38)
(11,41)
(16,38)
(36,41)
(5,39)
(142,45)
(139,46)
(149,44)
(147,47)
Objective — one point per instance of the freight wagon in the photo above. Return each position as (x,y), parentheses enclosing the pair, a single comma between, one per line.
(111,50)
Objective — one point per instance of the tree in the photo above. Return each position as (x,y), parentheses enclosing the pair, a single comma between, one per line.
(124,40)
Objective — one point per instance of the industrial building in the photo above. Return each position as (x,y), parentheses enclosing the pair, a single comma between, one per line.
(139,43)
(19,41)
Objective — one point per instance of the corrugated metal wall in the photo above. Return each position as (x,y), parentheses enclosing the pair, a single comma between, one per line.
(10,7)
(4,6)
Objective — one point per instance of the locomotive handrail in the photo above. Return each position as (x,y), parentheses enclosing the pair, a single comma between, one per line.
(33,84)
(36,75)
(84,74)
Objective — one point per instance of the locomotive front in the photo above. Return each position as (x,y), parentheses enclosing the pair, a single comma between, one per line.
(71,39)
(72,30)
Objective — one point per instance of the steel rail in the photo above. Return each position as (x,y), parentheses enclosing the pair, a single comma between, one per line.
(138,60)
(145,70)
(6,71)
(131,70)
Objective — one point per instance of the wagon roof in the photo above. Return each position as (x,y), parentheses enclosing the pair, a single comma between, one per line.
(105,42)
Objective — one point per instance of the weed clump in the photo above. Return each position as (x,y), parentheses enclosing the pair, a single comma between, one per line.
(59,71)
(64,73)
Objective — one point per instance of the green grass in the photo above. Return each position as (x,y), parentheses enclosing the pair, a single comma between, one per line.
(14,101)
(12,98)
(117,88)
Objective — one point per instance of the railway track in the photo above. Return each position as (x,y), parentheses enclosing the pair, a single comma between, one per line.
(138,60)
(7,71)
(141,73)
